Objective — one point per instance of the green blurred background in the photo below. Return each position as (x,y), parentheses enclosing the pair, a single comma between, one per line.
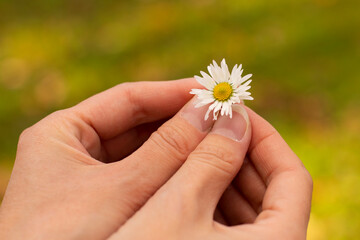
(304,54)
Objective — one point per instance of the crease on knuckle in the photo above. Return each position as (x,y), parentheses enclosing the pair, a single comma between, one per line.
(173,139)
(129,92)
(299,172)
(217,157)
(263,139)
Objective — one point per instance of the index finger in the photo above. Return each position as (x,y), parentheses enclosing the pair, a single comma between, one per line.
(124,106)
(289,185)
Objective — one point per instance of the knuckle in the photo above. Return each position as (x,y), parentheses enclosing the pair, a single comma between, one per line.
(25,135)
(173,137)
(303,175)
(268,137)
(129,92)
(57,118)
(30,139)
(125,89)
(41,130)
(57,115)
(308,178)
(216,155)
(125,85)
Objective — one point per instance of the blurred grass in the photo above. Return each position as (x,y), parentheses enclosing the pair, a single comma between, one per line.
(304,55)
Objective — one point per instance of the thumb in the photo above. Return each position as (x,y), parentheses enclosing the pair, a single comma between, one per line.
(211,167)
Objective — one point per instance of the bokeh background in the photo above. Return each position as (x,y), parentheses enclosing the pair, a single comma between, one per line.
(304,54)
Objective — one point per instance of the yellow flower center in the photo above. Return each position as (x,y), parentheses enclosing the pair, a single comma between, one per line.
(222,91)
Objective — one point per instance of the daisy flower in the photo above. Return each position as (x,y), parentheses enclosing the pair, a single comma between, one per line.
(223,89)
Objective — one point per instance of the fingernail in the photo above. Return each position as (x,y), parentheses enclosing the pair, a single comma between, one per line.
(196,116)
(234,128)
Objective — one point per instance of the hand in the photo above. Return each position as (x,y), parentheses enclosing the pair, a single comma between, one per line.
(270,197)
(61,187)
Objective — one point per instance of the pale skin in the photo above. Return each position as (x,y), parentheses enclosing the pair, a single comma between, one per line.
(188,179)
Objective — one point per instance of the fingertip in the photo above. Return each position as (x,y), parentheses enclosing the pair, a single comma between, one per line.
(195,116)
(236,128)
(261,128)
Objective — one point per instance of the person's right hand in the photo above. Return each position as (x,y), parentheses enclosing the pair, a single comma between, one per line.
(270,197)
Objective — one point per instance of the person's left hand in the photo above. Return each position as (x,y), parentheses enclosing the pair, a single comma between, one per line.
(61,186)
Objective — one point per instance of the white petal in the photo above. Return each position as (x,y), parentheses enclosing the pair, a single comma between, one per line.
(235,99)
(204,96)
(247,98)
(205,92)
(199,80)
(239,70)
(237,79)
(216,114)
(196,91)
(228,109)
(246,83)
(207,114)
(213,73)
(204,102)
(225,70)
(202,81)
(218,73)
(234,69)
(210,81)
(216,109)
(244,94)
(243,88)
(223,62)
(246,77)
(212,106)
(223,109)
